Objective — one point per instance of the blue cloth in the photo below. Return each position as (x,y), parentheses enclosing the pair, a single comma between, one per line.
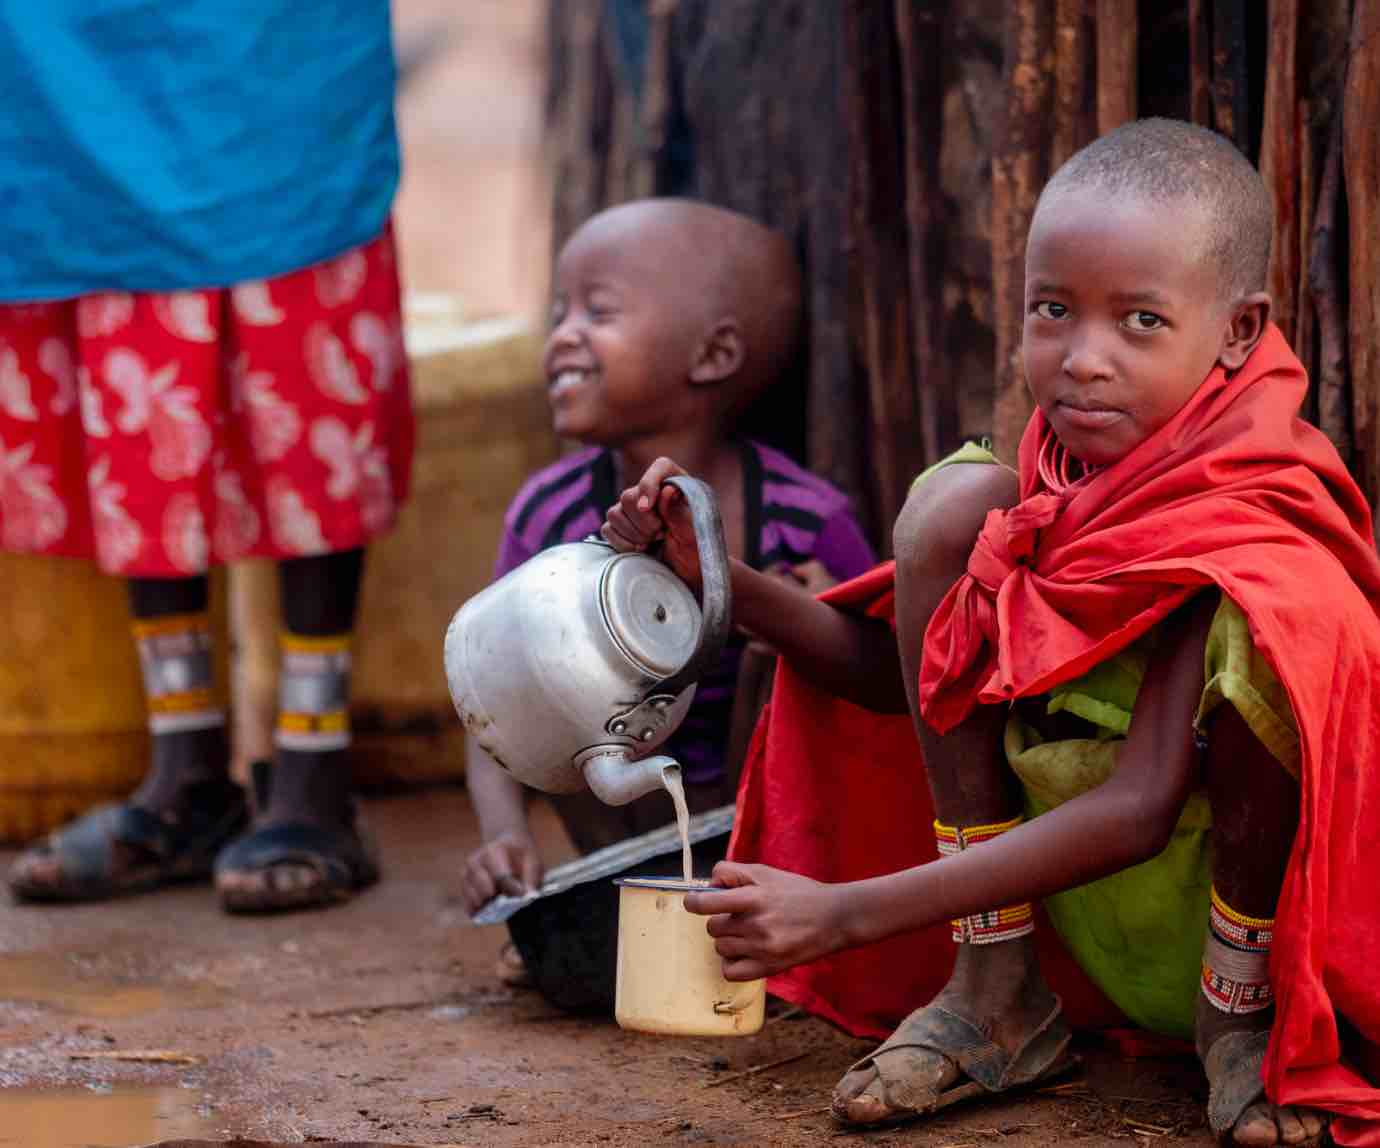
(154,145)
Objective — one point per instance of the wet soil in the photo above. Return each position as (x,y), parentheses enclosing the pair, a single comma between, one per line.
(382,1021)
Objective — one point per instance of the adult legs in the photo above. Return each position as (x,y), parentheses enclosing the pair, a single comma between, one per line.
(186,807)
(1255,810)
(996,986)
(304,848)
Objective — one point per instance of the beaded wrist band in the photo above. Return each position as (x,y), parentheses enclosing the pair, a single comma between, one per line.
(995,925)
(1236,959)
(313,692)
(179,677)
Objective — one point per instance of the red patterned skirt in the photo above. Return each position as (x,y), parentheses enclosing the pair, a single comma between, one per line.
(164,433)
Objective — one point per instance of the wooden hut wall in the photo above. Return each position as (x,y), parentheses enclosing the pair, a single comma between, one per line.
(902,144)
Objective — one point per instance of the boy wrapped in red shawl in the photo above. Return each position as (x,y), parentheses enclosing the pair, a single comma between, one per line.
(1144,676)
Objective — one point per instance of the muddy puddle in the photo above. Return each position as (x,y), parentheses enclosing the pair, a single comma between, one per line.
(81,1118)
(36,978)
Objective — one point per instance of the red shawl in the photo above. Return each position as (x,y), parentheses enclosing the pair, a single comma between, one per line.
(1235,491)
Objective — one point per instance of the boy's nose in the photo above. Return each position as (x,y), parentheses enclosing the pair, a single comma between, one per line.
(1084,362)
(562,336)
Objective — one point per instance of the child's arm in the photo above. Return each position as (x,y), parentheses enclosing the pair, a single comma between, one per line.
(849,655)
(768,920)
(508,861)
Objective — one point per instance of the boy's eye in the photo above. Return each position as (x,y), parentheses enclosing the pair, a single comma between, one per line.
(1048,309)
(1144,321)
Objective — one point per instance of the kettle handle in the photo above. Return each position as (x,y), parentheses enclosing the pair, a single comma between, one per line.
(716,602)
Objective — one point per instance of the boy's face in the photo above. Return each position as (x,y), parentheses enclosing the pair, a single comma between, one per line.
(621,340)
(1123,318)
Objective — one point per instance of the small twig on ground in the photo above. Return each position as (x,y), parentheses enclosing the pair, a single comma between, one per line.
(789,1014)
(817,1110)
(386,1006)
(148,1055)
(1068,1088)
(1146,1129)
(756,1069)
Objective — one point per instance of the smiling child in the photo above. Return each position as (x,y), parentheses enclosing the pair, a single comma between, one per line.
(668,317)
(1128,699)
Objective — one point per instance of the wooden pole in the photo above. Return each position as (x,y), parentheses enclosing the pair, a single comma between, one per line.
(1361,167)
(656,97)
(1324,27)
(920,39)
(1019,170)
(1279,161)
(572,100)
(879,230)
(1324,286)
(1305,339)
(1200,62)
(1071,36)
(1117,42)
(1230,91)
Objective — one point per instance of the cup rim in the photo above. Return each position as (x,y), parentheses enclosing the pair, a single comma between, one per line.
(663,884)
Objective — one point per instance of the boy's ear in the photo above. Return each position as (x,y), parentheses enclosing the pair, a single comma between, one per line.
(1249,318)
(720,354)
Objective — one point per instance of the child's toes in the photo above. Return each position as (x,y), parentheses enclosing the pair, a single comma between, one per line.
(892,1083)
(1299,1125)
(1314,1124)
(1256,1127)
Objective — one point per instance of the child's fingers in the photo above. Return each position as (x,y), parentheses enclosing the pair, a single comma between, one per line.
(731,874)
(477,889)
(745,969)
(620,536)
(639,514)
(531,870)
(720,902)
(735,948)
(649,485)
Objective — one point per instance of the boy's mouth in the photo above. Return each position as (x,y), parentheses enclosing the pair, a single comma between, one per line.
(1088,417)
(566,381)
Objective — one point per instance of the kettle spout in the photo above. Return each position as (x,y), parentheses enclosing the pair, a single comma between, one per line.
(616,779)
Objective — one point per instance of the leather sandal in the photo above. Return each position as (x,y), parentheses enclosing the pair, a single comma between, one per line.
(341,859)
(250,874)
(156,851)
(989,1068)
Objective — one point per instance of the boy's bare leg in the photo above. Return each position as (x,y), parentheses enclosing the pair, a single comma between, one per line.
(998,987)
(1255,809)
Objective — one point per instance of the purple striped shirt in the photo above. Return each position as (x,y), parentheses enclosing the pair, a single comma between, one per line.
(792,516)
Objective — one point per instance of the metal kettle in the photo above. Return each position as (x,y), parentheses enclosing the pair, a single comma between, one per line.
(571,669)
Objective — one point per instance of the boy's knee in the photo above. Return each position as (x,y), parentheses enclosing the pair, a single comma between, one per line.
(937,527)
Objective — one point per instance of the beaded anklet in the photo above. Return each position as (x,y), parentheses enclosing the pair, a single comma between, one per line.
(1236,959)
(313,693)
(994,925)
(179,676)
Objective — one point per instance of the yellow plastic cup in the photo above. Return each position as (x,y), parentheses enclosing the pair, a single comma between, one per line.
(670,979)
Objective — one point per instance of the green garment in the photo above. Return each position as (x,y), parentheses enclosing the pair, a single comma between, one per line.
(1139,933)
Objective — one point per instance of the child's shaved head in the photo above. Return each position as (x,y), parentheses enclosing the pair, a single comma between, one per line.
(711,262)
(1172,162)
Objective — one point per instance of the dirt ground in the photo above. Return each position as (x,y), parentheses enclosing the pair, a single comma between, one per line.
(381,1021)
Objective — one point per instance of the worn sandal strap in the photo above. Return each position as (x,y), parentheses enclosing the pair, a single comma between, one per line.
(83,848)
(343,858)
(936,1029)
(1233,1065)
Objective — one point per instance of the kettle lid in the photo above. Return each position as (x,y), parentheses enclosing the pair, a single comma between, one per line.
(651,614)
